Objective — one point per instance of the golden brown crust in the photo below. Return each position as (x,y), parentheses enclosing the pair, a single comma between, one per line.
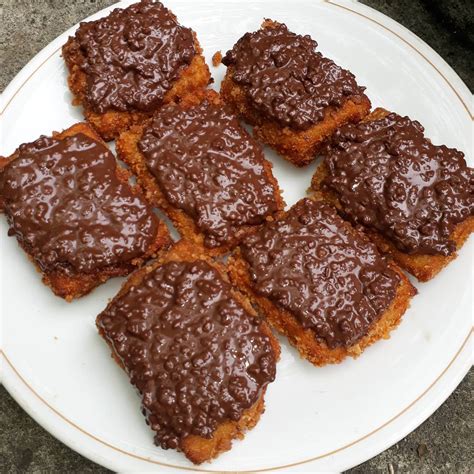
(111,123)
(314,350)
(217,59)
(196,448)
(299,147)
(69,286)
(199,450)
(423,267)
(128,152)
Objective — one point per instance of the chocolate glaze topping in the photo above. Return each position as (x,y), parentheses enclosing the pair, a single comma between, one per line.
(389,177)
(66,206)
(192,351)
(286,80)
(312,264)
(132,56)
(207,165)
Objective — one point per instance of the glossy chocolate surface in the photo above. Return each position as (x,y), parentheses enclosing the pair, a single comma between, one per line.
(390,178)
(66,206)
(328,276)
(286,80)
(193,352)
(133,56)
(207,165)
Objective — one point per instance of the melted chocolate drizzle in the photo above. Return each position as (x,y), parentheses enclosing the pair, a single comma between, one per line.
(329,277)
(207,165)
(390,178)
(286,80)
(192,351)
(66,206)
(132,56)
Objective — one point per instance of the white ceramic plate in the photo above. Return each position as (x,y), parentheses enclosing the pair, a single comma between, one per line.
(328,419)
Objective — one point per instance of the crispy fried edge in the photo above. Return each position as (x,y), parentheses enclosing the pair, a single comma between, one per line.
(128,152)
(74,286)
(315,350)
(217,59)
(196,448)
(424,267)
(111,123)
(297,146)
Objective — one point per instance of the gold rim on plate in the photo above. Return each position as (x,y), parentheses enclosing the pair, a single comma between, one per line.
(315,458)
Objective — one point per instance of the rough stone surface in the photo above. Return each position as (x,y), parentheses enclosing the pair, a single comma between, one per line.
(446,25)
(444,442)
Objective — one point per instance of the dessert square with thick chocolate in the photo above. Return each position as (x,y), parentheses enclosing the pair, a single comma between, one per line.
(413,198)
(195,350)
(293,95)
(128,64)
(204,171)
(74,213)
(321,283)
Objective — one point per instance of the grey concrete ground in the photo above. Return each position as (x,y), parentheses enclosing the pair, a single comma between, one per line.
(444,443)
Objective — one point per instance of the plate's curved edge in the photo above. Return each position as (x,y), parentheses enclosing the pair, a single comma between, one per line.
(61,433)
(36,63)
(457,375)
(47,420)
(428,52)
(355,7)
(64,429)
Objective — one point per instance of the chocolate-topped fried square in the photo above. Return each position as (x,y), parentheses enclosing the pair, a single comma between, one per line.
(293,95)
(204,171)
(74,213)
(413,198)
(321,283)
(128,64)
(195,350)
